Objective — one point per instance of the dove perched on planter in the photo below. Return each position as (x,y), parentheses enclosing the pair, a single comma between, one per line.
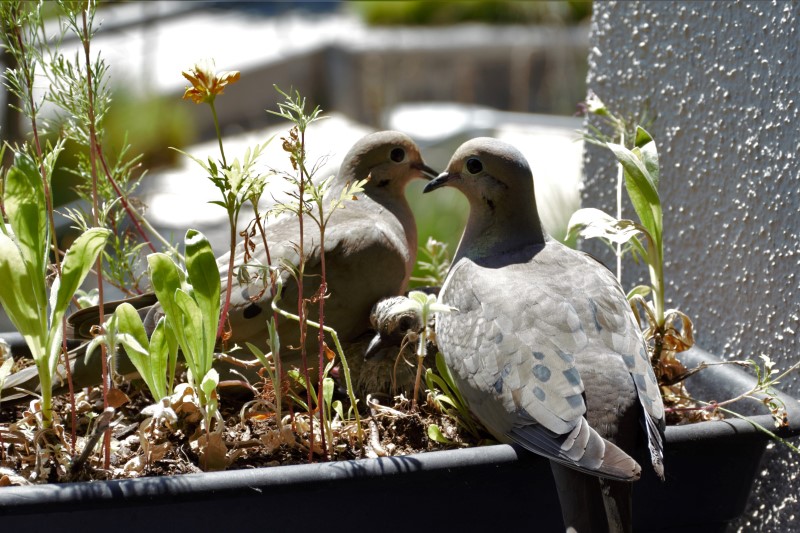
(544,346)
(370,251)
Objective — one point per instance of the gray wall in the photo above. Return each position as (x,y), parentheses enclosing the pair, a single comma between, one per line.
(723,79)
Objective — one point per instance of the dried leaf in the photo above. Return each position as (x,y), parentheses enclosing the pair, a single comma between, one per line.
(213,452)
(117,398)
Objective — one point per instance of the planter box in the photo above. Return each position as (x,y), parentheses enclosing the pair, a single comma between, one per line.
(710,469)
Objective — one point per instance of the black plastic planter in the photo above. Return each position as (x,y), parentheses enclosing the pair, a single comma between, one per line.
(494,488)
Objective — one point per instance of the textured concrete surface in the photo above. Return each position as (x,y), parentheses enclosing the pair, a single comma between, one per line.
(722,80)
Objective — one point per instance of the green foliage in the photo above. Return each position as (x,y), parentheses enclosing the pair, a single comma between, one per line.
(191,303)
(447,398)
(421,12)
(154,358)
(23,263)
(640,168)
(433,264)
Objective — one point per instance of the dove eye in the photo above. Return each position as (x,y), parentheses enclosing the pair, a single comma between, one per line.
(397,155)
(474,166)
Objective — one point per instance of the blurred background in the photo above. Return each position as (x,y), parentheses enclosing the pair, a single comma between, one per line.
(442,72)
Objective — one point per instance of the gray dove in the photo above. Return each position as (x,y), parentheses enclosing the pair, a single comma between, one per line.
(370,251)
(543,344)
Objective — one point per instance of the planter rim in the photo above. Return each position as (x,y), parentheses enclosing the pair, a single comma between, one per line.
(28,499)
(21,499)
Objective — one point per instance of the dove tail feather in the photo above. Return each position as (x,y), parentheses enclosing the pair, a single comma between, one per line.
(655,444)
(582,449)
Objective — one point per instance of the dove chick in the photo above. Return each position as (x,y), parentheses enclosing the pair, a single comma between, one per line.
(544,346)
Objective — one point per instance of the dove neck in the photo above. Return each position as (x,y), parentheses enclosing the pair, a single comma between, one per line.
(491,231)
(395,202)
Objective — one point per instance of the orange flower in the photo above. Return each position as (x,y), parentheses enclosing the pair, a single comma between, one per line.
(207,84)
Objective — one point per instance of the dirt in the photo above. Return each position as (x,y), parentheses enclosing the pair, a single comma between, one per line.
(251,437)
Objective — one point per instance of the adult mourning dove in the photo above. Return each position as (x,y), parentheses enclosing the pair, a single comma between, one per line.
(370,251)
(543,344)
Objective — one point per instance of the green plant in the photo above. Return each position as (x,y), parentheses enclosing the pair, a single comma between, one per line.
(236,182)
(311,200)
(668,331)
(424,306)
(23,272)
(433,264)
(191,305)
(445,396)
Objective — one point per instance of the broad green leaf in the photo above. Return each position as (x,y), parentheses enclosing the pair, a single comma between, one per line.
(129,321)
(641,189)
(327,391)
(192,325)
(167,279)
(208,386)
(639,290)
(648,153)
(76,265)
(592,223)
(56,331)
(148,356)
(16,288)
(172,351)
(25,206)
(139,355)
(209,382)
(435,434)
(201,266)
(159,358)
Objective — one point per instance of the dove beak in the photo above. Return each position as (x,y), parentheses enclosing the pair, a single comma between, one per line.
(440,181)
(375,345)
(427,172)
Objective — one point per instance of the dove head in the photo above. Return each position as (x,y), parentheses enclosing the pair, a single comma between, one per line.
(389,158)
(497,181)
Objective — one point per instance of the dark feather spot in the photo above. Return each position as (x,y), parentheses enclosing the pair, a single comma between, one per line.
(498,385)
(566,357)
(541,372)
(575,401)
(539,393)
(572,375)
(251,311)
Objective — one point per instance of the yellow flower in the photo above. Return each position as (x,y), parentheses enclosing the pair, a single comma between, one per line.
(207,84)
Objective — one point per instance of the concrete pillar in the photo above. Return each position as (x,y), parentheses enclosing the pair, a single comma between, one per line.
(722,82)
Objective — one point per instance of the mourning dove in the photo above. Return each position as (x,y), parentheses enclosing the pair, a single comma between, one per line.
(543,344)
(370,251)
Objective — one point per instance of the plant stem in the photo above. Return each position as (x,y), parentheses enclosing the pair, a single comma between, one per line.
(620,181)
(223,316)
(132,213)
(276,357)
(421,352)
(47,417)
(301,307)
(323,288)
(93,151)
(219,133)
(339,350)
